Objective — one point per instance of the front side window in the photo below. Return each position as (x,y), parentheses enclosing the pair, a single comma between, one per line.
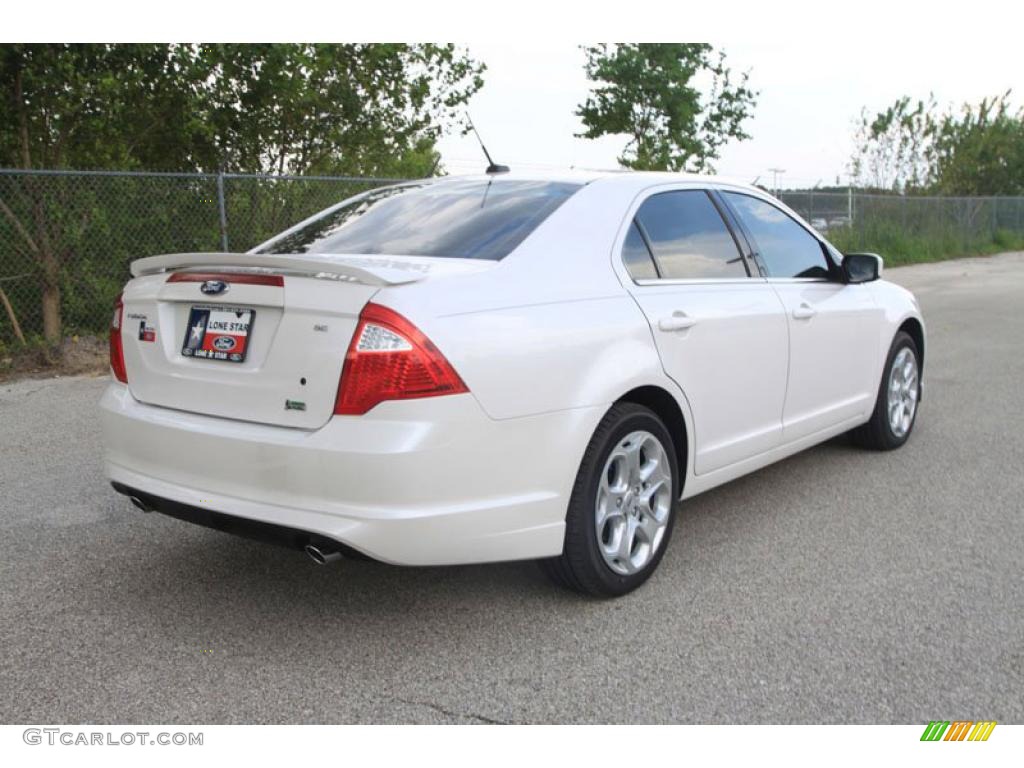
(688,237)
(787,249)
(463,219)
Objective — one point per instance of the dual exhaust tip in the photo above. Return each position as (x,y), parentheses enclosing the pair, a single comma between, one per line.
(321,554)
(136,501)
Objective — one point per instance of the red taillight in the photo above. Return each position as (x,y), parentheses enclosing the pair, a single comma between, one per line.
(116,346)
(390,359)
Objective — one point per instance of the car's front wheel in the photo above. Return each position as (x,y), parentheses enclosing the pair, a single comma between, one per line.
(898,395)
(621,511)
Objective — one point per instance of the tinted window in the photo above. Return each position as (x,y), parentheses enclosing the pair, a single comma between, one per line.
(689,237)
(636,256)
(466,219)
(788,250)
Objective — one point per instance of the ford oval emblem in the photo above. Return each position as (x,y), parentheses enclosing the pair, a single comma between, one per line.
(224,343)
(213,287)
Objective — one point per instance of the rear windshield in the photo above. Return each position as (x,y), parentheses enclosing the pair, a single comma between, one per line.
(471,219)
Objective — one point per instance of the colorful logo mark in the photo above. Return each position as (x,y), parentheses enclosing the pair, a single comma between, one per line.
(958,730)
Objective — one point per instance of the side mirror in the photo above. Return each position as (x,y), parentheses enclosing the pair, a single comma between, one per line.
(862,267)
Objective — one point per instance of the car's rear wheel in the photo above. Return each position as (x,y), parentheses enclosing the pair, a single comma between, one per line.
(898,395)
(621,511)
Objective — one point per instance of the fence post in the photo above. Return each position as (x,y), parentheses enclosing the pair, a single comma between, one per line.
(849,215)
(223,212)
(967,221)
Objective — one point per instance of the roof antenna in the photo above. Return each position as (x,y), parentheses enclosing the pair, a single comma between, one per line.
(492,167)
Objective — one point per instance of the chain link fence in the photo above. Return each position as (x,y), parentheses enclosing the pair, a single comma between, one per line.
(906,229)
(66,238)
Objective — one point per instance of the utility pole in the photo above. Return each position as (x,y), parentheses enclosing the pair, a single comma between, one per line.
(775,179)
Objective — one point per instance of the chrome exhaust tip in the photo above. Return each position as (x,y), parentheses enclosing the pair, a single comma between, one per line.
(140,503)
(322,555)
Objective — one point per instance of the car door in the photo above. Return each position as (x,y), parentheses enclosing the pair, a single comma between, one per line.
(833,327)
(720,332)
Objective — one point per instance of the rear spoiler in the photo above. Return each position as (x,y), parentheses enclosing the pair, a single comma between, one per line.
(367,270)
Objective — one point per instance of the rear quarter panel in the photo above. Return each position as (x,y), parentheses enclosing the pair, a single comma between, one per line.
(529,359)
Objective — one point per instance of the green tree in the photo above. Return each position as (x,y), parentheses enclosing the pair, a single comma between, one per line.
(914,146)
(296,108)
(980,150)
(650,92)
(892,146)
(330,108)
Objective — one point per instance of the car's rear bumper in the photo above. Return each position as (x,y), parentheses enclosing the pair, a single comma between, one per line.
(270,533)
(418,482)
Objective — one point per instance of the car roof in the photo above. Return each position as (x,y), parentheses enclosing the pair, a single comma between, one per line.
(607,178)
(571,175)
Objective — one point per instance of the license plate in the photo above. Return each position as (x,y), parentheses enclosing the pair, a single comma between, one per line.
(218,333)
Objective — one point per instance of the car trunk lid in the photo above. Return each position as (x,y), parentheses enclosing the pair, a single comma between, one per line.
(301,312)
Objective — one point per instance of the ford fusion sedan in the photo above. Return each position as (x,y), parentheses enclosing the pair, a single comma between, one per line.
(501,367)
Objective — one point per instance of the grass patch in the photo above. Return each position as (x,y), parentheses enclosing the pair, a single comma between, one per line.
(898,246)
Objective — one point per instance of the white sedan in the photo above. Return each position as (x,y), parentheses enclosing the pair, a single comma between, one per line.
(501,367)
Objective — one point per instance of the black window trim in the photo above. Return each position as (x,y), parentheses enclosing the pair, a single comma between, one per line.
(642,230)
(726,220)
(755,253)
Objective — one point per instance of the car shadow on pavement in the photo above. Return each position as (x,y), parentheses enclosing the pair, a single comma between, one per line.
(206,583)
(196,567)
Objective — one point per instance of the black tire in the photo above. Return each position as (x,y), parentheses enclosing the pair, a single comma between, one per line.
(877,434)
(581,566)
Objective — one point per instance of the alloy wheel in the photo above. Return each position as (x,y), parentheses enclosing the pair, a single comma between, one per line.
(634,499)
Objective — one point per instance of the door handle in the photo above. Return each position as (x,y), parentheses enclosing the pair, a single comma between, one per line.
(679,321)
(804,312)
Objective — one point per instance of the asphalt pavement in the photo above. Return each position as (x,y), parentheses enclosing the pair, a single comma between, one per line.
(838,586)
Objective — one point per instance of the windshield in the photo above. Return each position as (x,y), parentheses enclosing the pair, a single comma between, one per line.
(468,219)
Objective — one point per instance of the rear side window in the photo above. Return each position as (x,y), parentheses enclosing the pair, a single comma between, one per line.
(688,237)
(638,260)
(463,219)
(787,249)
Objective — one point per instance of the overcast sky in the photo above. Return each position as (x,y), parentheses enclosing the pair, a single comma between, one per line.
(810,94)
